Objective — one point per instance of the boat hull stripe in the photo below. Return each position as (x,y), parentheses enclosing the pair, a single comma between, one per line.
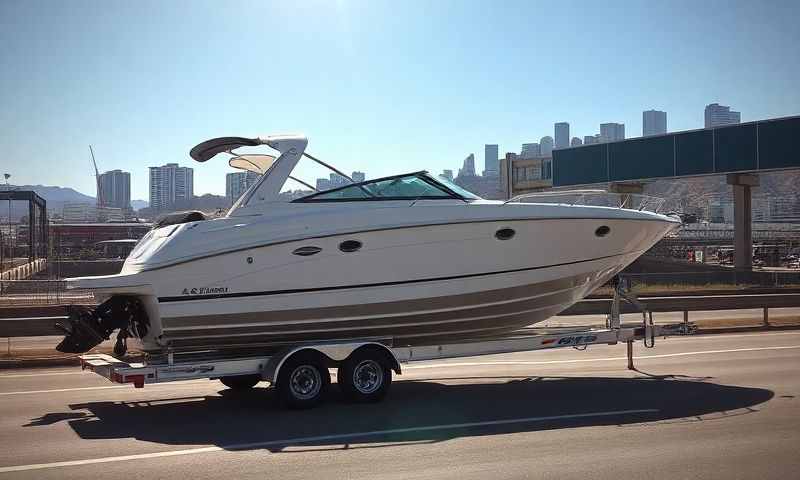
(186,298)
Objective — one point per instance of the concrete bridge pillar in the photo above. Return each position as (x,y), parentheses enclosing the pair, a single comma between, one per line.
(742,219)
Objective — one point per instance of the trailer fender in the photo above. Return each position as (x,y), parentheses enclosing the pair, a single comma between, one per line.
(335,352)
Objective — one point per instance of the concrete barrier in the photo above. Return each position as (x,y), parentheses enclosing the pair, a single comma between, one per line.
(24,271)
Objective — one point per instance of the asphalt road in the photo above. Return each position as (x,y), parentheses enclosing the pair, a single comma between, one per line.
(717,406)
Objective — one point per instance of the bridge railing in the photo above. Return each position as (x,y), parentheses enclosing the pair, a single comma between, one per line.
(41,292)
(675,281)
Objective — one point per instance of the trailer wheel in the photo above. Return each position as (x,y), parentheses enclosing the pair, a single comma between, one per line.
(240,382)
(365,376)
(303,380)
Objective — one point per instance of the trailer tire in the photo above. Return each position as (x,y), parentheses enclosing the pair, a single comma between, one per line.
(365,376)
(240,382)
(303,380)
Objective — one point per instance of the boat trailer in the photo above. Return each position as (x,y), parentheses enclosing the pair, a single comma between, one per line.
(300,371)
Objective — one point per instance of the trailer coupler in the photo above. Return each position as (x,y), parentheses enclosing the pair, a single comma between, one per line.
(85,328)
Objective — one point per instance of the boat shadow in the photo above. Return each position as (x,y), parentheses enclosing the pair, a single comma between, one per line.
(420,411)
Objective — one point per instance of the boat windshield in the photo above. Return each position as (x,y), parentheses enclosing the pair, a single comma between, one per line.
(412,186)
(464,193)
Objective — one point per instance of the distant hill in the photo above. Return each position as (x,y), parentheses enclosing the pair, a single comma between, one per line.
(55,196)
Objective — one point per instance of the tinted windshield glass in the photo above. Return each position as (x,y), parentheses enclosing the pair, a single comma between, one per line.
(459,190)
(397,188)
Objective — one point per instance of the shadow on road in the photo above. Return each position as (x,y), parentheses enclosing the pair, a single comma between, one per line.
(232,419)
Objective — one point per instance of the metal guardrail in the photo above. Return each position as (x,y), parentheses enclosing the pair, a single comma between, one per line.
(691,303)
(673,280)
(16,293)
(43,323)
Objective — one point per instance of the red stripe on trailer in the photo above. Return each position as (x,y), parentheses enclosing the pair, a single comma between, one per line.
(136,380)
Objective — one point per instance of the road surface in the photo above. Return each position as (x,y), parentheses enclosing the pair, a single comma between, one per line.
(716,406)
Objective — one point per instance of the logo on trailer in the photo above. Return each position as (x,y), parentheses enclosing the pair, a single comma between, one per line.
(577,340)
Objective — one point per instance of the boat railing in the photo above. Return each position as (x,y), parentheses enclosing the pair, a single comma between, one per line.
(598,198)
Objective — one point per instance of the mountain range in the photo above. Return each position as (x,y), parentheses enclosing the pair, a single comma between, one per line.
(56,197)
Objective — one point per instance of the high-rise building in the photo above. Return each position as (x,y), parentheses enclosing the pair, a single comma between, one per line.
(491,163)
(115,189)
(562,135)
(323,184)
(337,180)
(530,150)
(612,132)
(448,174)
(170,185)
(236,183)
(654,122)
(590,139)
(358,177)
(468,169)
(546,145)
(717,115)
(576,142)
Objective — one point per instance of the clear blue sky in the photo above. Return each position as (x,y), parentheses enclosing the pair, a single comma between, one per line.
(383,87)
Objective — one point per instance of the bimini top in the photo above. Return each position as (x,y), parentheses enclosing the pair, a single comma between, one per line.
(255,163)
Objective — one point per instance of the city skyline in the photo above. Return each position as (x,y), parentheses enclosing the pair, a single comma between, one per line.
(142,91)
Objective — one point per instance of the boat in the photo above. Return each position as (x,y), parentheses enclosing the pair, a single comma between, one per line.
(409,259)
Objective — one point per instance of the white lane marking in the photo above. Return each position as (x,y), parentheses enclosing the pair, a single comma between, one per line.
(320,438)
(41,374)
(723,336)
(107,387)
(583,360)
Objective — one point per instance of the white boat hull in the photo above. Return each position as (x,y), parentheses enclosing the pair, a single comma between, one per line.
(409,286)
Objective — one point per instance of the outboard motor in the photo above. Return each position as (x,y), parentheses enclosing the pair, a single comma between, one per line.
(86,328)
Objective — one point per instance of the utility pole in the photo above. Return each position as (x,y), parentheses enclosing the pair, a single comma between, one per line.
(8,226)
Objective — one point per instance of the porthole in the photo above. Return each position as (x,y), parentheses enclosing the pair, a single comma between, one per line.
(602,231)
(350,246)
(306,251)
(505,234)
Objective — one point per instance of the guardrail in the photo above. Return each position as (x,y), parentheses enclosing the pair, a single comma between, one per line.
(15,293)
(40,321)
(674,280)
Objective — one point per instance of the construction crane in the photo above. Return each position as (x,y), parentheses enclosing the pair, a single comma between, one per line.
(97,179)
